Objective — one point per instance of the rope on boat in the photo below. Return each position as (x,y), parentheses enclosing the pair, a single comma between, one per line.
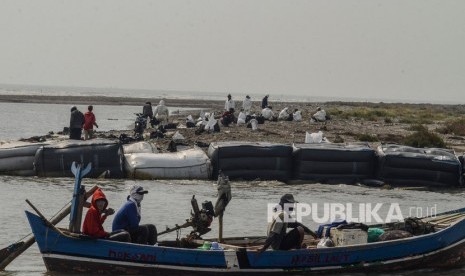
(30,234)
(62,208)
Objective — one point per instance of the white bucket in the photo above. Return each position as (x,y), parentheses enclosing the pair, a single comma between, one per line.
(254,123)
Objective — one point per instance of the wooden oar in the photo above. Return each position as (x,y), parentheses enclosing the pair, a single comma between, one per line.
(18,250)
(224,196)
(47,222)
(445,218)
(443,221)
(5,252)
(11,252)
(449,219)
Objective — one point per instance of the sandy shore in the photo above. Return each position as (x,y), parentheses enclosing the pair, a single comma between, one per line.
(338,129)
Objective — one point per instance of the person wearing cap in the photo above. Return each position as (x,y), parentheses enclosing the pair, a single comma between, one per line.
(75,124)
(265,101)
(229,104)
(278,237)
(96,216)
(129,215)
(89,123)
(247,105)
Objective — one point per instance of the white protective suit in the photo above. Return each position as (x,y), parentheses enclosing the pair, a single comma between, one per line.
(297,116)
(320,116)
(229,104)
(267,113)
(161,113)
(211,122)
(247,106)
(283,115)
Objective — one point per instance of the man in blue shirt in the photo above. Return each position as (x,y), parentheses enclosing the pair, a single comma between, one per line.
(128,218)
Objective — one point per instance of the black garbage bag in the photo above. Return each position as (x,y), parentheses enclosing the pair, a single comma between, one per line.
(156,134)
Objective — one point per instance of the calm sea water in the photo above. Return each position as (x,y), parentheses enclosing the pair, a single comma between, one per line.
(142,93)
(168,202)
(313,96)
(26,119)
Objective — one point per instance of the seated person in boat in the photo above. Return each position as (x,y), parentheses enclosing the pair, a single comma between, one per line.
(278,238)
(96,215)
(128,218)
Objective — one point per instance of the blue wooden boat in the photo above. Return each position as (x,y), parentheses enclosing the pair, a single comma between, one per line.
(67,252)
(64,250)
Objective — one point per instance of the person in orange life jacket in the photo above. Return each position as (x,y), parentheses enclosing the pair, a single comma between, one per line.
(96,215)
(278,239)
(129,215)
(89,123)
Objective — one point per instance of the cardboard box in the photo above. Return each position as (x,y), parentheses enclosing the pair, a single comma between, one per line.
(345,237)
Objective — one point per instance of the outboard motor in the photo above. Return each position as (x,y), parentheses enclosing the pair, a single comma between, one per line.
(201,219)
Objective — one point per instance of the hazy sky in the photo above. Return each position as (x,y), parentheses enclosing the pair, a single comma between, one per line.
(405,49)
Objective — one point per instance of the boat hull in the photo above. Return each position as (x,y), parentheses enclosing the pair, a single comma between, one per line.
(61,253)
(449,258)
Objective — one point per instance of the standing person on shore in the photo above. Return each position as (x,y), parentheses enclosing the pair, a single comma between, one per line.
(229,104)
(161,113)
(89,123)
(129,216)
(75,124)
(147,111)
(247,105)
(265,101)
